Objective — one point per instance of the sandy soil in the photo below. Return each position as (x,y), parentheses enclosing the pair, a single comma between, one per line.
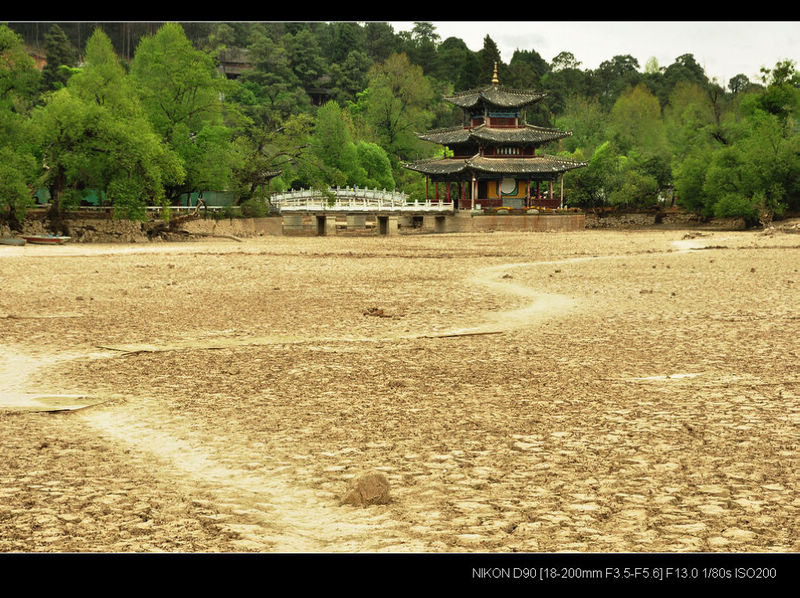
(596,391)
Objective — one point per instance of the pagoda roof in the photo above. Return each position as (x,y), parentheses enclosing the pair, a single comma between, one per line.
(537,164)
(486,134)
(496,95)
(438,165)
(507,165)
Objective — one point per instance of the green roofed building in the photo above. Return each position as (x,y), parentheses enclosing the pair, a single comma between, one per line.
(497,160)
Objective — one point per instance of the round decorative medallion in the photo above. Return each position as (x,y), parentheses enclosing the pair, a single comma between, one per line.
(508,186)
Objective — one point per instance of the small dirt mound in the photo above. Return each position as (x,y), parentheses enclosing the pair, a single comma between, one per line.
(368,489)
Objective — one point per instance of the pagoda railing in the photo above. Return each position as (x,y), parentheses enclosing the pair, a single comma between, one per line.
(349,199)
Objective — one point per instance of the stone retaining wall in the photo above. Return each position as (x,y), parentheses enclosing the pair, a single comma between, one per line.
(651,219)
(467,222)
(235,227)
(108,230)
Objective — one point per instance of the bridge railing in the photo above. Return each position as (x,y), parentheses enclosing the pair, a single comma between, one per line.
(353,200)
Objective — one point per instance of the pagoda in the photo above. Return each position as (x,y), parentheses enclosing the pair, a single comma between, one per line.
(496,158)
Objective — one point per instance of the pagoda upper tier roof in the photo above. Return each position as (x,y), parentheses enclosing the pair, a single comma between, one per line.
(486,134)
(543,164)
(496,95)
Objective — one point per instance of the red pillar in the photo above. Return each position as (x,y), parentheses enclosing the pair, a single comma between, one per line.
(528,194)
(473,192)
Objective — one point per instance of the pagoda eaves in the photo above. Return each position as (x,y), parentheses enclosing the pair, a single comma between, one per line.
(541,164)
(495,95)
(483,133)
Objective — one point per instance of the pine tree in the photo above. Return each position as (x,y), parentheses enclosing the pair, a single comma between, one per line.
(59,54)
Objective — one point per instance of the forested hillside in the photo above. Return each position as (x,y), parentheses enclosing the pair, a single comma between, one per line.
(143,113)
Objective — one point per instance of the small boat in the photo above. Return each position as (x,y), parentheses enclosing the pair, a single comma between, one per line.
(12,241)
(46,239)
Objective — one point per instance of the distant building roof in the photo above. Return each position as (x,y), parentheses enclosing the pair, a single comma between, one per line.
(234,61)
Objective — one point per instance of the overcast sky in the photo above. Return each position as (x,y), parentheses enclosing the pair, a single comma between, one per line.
(724,48)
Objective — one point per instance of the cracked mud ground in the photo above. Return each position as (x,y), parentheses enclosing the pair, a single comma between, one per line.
(596,391)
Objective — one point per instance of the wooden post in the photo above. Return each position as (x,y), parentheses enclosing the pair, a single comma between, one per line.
(562,189)
(474,191)
(528,194)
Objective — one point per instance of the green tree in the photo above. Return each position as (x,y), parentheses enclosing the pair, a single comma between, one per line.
(423,48)
(754,174)
(275,87)
(350,77)
(397,104)
(563,80)
(781,96)
(19,79)
(758,175)
(685,68)
(349,37)
(635,121)
(17,172)
(373,159)
(637,128)
(379,41)
(525,70)
(590,187)
(635,187)
(488,56)
(96,137)
(176,83)
(273,147)
(20,153)
(613,76)
(739,83)
(586,119)
(305,57)
(564,61)
(19,159)
(61,58)
(332,143)
(182,95)
(689,175)
(470,76)
(452,57)
(694,117)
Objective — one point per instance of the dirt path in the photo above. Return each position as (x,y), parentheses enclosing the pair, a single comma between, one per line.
(262,507)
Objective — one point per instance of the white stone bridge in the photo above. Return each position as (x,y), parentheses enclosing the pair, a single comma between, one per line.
(310,211)
(356,201)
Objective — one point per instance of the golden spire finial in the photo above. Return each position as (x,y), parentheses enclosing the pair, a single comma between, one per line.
(495,80)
